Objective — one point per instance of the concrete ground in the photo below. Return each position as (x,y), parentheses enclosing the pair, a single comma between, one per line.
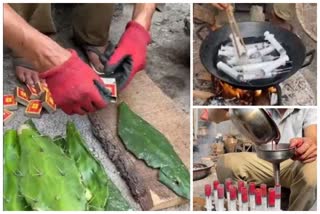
(168,67)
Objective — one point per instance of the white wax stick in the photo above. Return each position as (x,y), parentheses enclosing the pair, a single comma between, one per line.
(230,51)
(228,70)
(269,58)
(227,53)
(257,76)
(251,67)
(274,42)
(266,51)
(276,64)
(258,45)
(235,61)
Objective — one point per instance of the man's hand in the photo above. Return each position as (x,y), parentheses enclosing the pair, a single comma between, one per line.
(220,6)
(306,149)
(133,43)
(218,115)
(75,87)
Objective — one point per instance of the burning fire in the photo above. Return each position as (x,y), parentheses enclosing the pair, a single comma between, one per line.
(230,91)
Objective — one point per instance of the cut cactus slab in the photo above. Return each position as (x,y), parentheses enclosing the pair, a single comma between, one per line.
(104,194)
(12,199)
(49,179)
(148,144)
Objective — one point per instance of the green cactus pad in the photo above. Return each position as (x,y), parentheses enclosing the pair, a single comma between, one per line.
(148,144)
(12,199)
(105,194)
(49,179)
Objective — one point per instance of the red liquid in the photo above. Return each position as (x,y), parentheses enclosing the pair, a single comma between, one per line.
(274,145)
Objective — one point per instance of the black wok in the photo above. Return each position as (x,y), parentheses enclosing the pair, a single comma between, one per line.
(252,32)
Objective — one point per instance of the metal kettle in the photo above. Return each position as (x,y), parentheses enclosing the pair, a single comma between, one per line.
(255,124)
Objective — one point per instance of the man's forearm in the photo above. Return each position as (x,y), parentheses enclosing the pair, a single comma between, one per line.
(143,13)
(27,42)
(311,132)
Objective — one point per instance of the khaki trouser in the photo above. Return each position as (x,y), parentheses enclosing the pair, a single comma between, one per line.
(90,22)
(300,178)
(284,11)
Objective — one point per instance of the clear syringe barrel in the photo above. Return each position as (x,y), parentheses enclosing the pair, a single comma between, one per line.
(278,197)
(271,199)
(264,194)
(252,187)
(220,206)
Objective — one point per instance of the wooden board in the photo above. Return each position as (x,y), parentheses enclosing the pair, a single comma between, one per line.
(148,101)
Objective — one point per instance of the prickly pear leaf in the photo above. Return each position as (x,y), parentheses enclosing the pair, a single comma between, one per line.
(49,179)
(148,144)
(12,198)
(62,143)
(104,193)
(92,174)
(116,202)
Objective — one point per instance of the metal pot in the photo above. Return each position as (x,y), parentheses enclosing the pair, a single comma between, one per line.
(201,171)
(252,32)
(255,124)
(282,152)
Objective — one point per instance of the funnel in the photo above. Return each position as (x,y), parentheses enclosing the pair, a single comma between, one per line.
(275,154)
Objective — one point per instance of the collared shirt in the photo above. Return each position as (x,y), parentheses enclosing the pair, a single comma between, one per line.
(293,122)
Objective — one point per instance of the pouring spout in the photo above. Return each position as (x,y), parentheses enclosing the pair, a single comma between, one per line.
(276,173)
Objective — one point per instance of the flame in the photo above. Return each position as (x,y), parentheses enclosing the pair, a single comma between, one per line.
(272,89)
(257,93)
(231,91)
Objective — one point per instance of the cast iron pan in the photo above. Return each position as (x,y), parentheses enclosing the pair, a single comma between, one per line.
(252,32)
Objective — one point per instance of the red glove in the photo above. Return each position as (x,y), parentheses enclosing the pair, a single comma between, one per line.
(75,87)
(133,44)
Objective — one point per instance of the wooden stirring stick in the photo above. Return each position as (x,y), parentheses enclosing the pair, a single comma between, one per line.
(236,33)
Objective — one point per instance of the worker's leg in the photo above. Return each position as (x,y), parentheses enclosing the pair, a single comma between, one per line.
(37,15)
(91,23)
(303,184)
(248,167)
(285,11)
(300,178)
